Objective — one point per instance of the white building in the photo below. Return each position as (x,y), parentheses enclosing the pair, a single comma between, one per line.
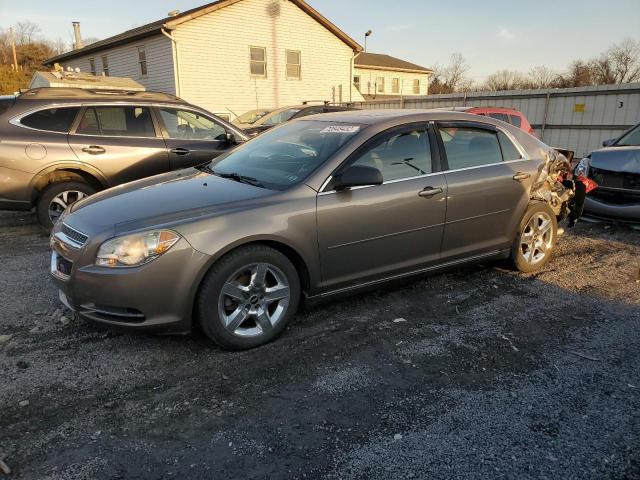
(382,77)
(232,56)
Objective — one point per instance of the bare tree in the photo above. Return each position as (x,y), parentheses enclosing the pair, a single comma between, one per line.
(451,77)
(541,77)
(619,64)
(26,32)
(59,46)
(505,80)
(580,74)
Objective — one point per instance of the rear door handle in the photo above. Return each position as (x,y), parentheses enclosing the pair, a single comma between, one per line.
(429,192)
(520,176)
(180,151)
(94,150)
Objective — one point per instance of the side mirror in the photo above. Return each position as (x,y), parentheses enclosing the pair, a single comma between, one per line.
(608,143)
(359,176)
(229,138)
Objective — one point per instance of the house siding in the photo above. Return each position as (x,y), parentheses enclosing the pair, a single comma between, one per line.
(123,62)
(214,58)
(368,79)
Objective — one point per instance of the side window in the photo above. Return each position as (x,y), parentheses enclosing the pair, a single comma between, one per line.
(500,116)
(52,119)
(187,125)
(403,155)
(117,122)
(470,147)
(516,120)
(509,150)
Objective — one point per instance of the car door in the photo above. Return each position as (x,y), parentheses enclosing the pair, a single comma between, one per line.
(121,141)
(489,180)
(370,233)
(192,138)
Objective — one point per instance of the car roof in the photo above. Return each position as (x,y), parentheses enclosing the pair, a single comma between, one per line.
(61,94)
(374,117)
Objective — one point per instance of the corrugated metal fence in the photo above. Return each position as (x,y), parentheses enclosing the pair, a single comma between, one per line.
(578,119)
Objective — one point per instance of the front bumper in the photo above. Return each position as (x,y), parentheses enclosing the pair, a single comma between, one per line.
(155,297)
(599,208)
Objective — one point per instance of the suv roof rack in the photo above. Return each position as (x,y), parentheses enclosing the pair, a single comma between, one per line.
(64,92)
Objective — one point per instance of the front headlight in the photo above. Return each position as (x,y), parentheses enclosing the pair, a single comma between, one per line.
(137,249)
(582,170)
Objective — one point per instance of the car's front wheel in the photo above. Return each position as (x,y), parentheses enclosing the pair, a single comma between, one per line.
(248,297)
(536,238)
(57,197)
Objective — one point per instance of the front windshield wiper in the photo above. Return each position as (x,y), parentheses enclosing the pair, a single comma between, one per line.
(238,178)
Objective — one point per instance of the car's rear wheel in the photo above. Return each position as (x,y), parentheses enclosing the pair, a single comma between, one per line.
(536,239)
(248,298)
(57,197)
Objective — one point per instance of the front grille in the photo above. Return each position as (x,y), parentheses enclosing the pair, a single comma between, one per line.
(616,197)
(74,235)
(608,179)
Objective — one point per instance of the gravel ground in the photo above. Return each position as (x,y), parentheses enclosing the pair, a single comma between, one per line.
(479,372)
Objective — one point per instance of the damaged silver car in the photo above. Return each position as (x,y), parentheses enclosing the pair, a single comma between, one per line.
(615,170)
(317,207)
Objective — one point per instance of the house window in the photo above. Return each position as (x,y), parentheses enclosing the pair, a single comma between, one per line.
(105,65)
(293,64)
(92,66)
(416,86)
(356,82)
(395,85)
(380,83)
(142,61)
(258,61)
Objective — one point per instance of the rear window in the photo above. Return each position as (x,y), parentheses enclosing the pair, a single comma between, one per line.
(470,147)
(51,119)
(509,150)
(500,116)
(117,122)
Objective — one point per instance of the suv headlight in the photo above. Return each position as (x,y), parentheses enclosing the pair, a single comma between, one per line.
(137,249)
(582,170)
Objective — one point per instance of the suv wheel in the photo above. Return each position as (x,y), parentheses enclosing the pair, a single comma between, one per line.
(248,298)
(57,197)
(536,239)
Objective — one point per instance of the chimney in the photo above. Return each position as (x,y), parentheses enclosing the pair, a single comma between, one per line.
(78,37)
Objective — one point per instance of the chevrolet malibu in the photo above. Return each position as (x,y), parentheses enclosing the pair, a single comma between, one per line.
(320,206)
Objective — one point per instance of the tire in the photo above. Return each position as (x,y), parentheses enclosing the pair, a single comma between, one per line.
(238,311)
(536,238)
(55,195)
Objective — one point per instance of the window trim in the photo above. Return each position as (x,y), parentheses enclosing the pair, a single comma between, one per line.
(378,83)
(143,49)
(286,66)
(444,161)
(436,161)
(358,84)
(264,62)
(92,66)
(105,64)
(394,84)
(419,86)
(17,120)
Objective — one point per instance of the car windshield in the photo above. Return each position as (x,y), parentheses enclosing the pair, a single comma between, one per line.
(631,138)
(278,117)
(284,156)
(251,116)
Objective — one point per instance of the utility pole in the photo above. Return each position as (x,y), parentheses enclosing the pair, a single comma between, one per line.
(13,48)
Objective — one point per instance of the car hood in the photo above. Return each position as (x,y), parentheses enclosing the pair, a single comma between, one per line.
(159,200)
(617,159)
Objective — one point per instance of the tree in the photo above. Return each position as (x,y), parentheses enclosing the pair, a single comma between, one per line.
(541,77)
(505,80)
(26,32)
(451,77)
(619,64)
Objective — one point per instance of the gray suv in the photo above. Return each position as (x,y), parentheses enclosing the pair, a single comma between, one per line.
(59,145)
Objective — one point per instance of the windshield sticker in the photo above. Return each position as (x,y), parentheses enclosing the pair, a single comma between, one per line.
(341,129)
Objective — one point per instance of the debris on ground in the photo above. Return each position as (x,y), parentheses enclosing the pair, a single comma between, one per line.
(4,468)
(585,356)
(5,339)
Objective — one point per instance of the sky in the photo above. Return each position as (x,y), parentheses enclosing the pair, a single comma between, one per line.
(491,35)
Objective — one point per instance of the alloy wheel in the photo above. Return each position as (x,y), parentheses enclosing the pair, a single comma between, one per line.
(61,201)
(536,240)
(253,300)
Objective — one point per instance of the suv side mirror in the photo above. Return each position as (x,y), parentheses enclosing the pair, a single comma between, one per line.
(229,138)
(359,176)
(608,143)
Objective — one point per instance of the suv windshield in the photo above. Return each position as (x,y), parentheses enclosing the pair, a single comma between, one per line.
(251,117)
(286,155)
(631,138)
(278,117)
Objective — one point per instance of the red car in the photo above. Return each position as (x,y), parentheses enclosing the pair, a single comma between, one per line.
(508,115)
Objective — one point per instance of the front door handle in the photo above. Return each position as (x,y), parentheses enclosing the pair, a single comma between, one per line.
(94,150)
(429,192)
(180,151)
(520,176)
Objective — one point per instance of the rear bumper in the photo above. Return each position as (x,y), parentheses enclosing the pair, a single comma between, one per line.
(156,297)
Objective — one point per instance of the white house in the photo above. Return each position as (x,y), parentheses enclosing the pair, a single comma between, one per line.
(380,77)
(232,56)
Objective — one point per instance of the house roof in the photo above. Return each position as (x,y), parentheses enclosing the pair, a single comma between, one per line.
(379,61)
(169,23)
